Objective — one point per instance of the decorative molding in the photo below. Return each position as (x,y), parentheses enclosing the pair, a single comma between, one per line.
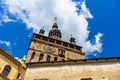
(77,62)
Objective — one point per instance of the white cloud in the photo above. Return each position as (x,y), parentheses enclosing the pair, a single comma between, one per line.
(39,13)
(5,19)
(7,43)
(85,11)
(94,46)
(24,57)
(19,59)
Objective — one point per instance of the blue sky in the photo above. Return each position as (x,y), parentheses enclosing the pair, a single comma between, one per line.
(106,20)
(94,24)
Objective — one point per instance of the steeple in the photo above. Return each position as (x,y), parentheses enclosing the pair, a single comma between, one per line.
(55,32)
(72,40)
(41,32)
(55,23)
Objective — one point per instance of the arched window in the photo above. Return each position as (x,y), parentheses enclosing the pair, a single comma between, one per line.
(32,56)
(55,58)
(61,53)
(48,58)
(41,57)
(6,70)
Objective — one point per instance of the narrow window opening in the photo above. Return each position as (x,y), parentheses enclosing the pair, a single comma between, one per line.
(6,70)
(71,46)
(65,44)
(61,53)
(58,42)
(48,58)
(41,57)
(32,56)
(18,76)
(55,58)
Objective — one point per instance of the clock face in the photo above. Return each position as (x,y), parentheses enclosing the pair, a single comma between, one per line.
(49,49)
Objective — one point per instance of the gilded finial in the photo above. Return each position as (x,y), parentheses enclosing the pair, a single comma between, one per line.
(71,35)
(55,19)
(43,27)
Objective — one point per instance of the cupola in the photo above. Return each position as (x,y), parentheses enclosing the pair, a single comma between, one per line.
(55,32)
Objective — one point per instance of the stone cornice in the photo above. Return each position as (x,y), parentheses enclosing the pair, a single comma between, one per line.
(51,40)
(75,62)
(58,45)
(12,59)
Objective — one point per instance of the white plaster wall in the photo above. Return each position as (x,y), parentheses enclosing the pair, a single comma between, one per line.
(99,71)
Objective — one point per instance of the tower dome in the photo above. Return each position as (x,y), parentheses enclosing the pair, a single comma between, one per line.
(55,32)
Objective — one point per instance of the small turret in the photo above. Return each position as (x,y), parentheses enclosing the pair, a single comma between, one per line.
(42,31)
(72,40)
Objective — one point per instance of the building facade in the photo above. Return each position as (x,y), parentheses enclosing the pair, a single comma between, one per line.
(86,69)
(52,48)
(10,68)
(51,58)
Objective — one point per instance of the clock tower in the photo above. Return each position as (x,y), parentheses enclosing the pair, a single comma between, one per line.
(52,48)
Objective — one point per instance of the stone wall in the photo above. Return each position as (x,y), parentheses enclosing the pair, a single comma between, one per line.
(96,71)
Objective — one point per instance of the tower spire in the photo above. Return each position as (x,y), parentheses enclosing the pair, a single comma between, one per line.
(55,19)
(55,24)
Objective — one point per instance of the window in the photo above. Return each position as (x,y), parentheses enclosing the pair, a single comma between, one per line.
(55,58)
(78,48)
(32,56)
(48,58)
(18,75)
(41,57)
(45,38)
(71,46)
(86,79)
(65,44)
(58,42)
(6,70)
(63,60)
(61,53)
(52,40)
